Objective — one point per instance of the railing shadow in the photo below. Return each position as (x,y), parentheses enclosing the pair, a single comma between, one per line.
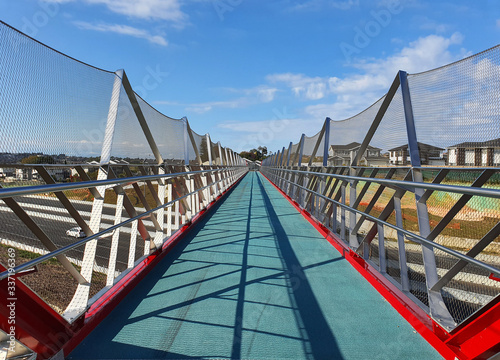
(210,289)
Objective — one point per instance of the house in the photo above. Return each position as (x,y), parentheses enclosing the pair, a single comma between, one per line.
(343,155)
(486,153)
(429,155)
(7,173)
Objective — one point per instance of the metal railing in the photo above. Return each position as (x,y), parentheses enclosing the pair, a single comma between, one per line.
(432,225)
(166,202)
(93,179)
(389,239)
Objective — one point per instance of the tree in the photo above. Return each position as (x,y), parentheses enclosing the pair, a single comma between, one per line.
(263,150)
(204,150)
(255,154)
(38,159)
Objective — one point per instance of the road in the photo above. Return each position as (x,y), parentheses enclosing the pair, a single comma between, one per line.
(54,220)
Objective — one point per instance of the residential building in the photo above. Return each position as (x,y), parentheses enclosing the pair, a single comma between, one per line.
(344,155)
(486,153)
(429,155)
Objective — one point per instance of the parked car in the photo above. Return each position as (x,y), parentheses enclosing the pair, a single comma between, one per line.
(76,232)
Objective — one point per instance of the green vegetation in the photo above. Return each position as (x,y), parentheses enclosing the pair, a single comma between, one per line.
(258,154)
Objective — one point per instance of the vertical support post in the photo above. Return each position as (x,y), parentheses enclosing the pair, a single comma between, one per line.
(342,213)
(437,306)
(193,142)
(114,242)
(186,144)
(301,151)
(382,262)
(132,245)
(316,146)
(169,209)
(209,149)
(326,143)
(288,155)
(221,163)
(160,214)
(231,155)
(177,215)
(228,163)
(403,265)
(80,299)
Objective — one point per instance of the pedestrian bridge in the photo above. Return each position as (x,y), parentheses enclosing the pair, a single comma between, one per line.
(254,280)
(124,234)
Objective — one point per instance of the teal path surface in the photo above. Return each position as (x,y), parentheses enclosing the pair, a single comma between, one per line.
(254,280)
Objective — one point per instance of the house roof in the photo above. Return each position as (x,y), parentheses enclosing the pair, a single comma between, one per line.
(477,144)
(351,146)
(421,147)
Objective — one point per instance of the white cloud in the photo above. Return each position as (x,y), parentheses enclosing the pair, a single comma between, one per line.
(498,23)
(353,93)
(167,10)
(259,94)
(207,106)
(344,5)
(301,85)
(316,5)
(123,30)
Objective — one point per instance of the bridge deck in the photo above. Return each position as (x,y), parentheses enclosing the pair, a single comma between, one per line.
(254,280)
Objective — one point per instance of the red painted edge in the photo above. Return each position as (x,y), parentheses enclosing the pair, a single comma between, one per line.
(493,277)
(432,332)
(37,325)
(99,310)
(479,336)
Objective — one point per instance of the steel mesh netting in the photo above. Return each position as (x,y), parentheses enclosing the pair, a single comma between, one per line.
(216,158)
(294,156)
(284,157)
(129,142)
(224,160)
(347,135)
(204,151)
(470,289)
(456,108)
(51,281)
(198,141)
(43,111)
(167,132)
(308,149)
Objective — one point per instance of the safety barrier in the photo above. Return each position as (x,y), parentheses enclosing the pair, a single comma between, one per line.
(96,186)
(409,188)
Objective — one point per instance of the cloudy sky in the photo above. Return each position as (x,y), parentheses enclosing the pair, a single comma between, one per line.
(260,72)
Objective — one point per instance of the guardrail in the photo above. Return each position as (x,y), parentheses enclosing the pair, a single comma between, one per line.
(411,187)
(167,201)
(95,185)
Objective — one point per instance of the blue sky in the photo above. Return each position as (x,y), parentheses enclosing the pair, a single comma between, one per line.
(255,72)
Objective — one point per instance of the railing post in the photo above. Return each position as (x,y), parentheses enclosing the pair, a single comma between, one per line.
(437,306)
(209,149)
(221,163)
(301,151)
(80,299)
(186,143)
(288,155)
(326,142)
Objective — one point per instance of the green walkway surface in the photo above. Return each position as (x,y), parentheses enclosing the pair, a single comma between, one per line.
(254,280)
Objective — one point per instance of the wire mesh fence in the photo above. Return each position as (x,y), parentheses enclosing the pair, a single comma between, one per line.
(439,128)
(93,179)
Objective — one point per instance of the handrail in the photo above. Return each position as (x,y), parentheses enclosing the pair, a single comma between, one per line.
(39,189)
(405,232)
(63,250)
(493,193)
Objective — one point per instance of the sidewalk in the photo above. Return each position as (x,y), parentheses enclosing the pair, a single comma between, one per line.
(254,280)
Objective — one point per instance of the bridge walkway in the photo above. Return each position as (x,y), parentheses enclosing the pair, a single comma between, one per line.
(254,280)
